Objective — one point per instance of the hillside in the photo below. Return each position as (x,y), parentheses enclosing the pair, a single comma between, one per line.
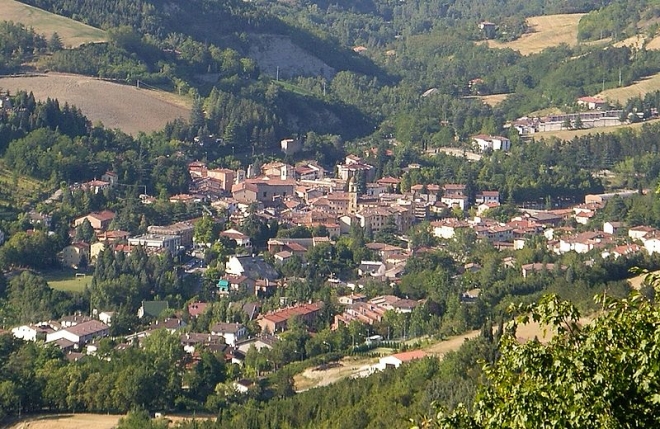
(116,106)
(72,33)
(638,89)
(544,32)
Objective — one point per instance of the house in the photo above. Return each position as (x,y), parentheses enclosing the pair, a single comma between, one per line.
(623,250)
(98,220)
(241,239)
(652,242)
(36,332)
(224,176)
(446,228)
(352,298)
(528,269)
(232,332)
(172,324)
(259,342)
(191,341)
(639,232)
(592,103)
(72,255)
(111,178)
(243,385)
(290,146)
(152,308)
(81,334)
(486,197)
(276,321)
(182,198)
(612,227)
(454,195)
(584,242)
(106,317)
(486,142)
(396,360)
(372,268)
(488,28)
(171,243)
(254,267)
(196,309)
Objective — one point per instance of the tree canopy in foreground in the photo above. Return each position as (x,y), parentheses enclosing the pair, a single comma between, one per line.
(600,375)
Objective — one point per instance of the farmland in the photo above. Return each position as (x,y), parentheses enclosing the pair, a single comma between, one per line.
(116,106)
(72,33)
(545,32)
(646,85)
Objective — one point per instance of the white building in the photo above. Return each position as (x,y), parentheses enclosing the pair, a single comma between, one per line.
(485,142)
(395,361)
(231,332)
(171,243)
(81,333)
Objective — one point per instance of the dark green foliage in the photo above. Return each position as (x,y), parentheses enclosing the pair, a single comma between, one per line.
(18,44)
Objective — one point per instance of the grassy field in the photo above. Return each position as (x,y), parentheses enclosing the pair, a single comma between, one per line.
(640,88)
(494,99)
(72,33)
(117,106)
(569,134)
(545,31)
(17,190)
(66,280)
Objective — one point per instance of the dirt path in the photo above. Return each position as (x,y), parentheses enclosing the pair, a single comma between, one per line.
(69,421)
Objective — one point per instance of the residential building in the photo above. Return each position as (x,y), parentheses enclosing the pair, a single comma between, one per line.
(72,255)
(486,197)
(593,103)
(639,232)
(241,239)
(81,333)
(454,195)
(254,267)
(290,146)
(152,308)
(276,321)
(225,177)
(98,220)
(486,142)
(231,332)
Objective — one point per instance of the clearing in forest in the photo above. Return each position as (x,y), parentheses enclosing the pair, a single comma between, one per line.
(117,106)
(17,189)
(544,32)
(68,280)
(493,99)
(72,33)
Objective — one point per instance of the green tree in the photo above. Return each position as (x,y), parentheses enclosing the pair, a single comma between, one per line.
(600,375)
